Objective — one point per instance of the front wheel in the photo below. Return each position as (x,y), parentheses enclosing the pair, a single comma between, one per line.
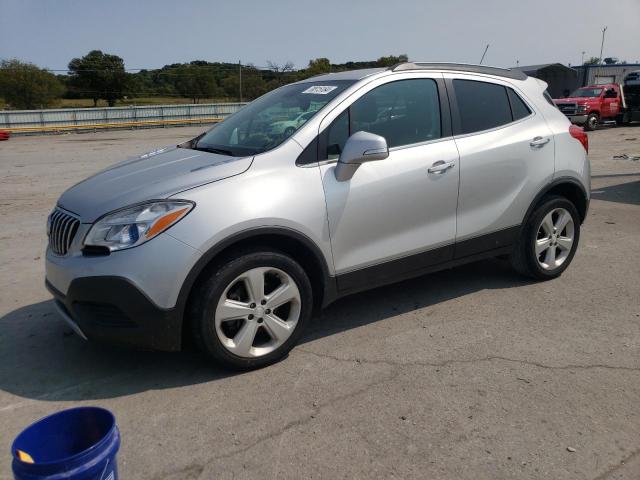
(252,310)
(549,240)
(592,122)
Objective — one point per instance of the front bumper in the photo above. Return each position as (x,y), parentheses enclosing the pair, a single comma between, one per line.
(129,297)
(113,310)
(577,119)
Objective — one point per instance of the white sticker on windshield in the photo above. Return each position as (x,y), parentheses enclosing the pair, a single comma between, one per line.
(320,89)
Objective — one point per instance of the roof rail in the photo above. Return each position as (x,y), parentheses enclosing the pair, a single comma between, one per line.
(460,67)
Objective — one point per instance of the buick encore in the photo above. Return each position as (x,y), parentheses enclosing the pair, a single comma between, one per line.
(316,190)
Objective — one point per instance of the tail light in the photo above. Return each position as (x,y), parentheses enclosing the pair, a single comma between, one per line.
(579,134)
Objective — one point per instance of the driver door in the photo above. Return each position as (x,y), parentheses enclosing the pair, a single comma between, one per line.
(610,102)
(395,217)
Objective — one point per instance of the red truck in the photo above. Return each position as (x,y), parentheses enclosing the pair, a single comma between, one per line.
(595,104)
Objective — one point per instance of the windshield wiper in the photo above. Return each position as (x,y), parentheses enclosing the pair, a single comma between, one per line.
(220,151)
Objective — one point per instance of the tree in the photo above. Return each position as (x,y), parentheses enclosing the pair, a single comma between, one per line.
(25,86)
(195,82)
(99,75)
(392,60)
(592,61)
(287,67)
(610,60)
(253,85)
(319,66)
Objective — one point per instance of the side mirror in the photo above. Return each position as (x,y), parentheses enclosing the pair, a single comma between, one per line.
(361,147)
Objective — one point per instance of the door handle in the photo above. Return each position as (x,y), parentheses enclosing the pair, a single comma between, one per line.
(440,166)
(539,142)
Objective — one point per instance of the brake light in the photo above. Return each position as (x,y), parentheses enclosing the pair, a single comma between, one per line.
(579,134)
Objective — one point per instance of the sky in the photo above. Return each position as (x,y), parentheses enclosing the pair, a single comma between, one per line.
(150,34)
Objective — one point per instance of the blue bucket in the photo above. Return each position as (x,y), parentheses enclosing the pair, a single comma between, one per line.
(76,444)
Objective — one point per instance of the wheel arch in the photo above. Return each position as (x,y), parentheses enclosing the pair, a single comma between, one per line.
(297,245)
(567,187)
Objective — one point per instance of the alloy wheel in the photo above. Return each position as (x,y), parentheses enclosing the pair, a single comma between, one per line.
(554,239)
(257,312)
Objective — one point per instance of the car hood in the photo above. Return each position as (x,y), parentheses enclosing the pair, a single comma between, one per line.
(155,175)
(575,100)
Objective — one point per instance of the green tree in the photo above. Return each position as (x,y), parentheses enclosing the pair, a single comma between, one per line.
(231,85)
(319,66)
(392,60)
(592,61)
(253,84)
(195,82)
(99,75)
(25,86)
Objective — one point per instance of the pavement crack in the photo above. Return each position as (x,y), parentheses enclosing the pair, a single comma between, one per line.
(315,410)
(615,468)
(490,358)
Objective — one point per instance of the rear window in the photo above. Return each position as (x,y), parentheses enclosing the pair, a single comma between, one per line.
(482,105)
(518,108)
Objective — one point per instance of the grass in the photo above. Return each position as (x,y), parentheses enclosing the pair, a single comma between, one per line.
(87,102)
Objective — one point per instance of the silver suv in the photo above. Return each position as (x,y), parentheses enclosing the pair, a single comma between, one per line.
(317,190)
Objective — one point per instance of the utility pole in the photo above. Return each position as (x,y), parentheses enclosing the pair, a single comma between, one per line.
(582,59)
(485,52)
(602,45)
(240,78)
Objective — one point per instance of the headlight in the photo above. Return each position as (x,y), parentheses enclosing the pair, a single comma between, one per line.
(582,108)
(136,225)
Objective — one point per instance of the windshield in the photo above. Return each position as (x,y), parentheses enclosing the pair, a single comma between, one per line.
(268,121)
(587,92)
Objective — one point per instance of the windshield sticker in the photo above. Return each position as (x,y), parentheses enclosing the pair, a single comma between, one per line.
(320,89)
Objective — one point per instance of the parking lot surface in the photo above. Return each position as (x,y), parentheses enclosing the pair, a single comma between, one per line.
(470,373)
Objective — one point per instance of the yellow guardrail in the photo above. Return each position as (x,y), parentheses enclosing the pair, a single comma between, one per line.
(96,126)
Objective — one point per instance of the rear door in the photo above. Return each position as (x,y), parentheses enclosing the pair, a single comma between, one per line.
(506,157)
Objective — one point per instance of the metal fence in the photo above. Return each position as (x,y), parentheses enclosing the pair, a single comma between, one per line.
(35,121)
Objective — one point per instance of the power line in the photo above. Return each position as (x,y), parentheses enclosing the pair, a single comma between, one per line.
(128,92)
(164,70)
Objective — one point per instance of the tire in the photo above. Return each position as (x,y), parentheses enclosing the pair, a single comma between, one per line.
(246,340)
(537,233)
(592,122)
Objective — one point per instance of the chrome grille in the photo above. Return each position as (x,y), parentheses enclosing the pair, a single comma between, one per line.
(61,228)
(568,108)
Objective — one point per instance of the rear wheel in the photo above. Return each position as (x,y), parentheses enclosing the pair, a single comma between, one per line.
(549,240)
(252,310)
(592,122)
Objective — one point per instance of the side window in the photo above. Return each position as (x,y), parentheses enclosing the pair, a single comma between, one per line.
(519,109)
(403,112)
(481,105)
